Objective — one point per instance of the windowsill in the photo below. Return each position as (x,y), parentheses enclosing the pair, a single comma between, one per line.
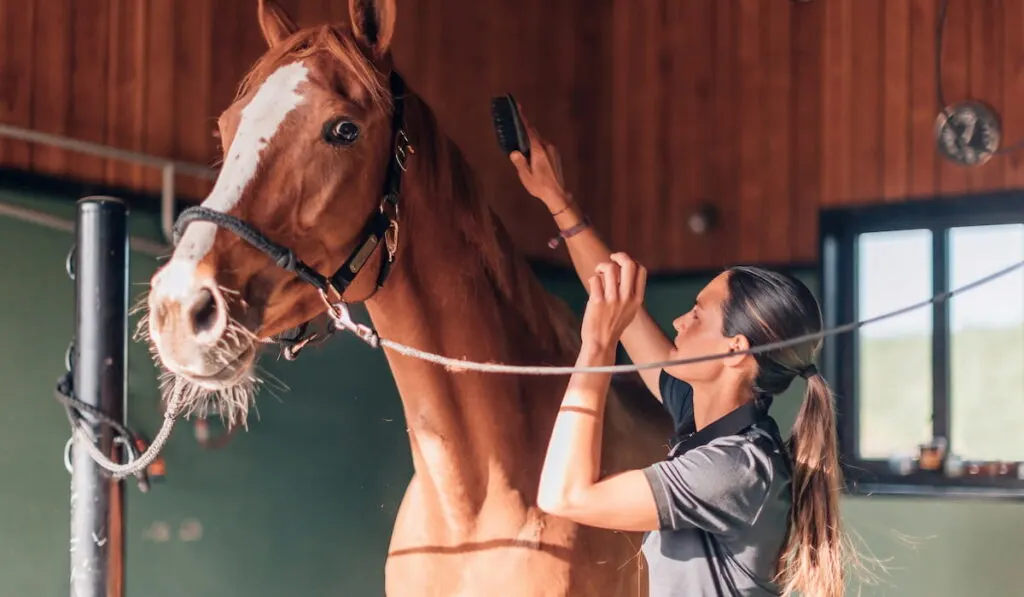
(872,478)
(934,491)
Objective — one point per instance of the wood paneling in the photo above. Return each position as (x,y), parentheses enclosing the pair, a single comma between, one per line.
(769,109)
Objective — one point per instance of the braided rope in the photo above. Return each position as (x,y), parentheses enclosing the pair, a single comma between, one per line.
(83,437)
(342,320)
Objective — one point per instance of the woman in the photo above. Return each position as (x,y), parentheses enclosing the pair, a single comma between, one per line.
(732,510)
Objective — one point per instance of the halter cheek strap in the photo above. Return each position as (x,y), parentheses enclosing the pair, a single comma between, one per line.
(372,235)
(380,228)
(377,227)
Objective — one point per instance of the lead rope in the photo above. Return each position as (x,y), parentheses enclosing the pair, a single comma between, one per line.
(119,471)
(342,318)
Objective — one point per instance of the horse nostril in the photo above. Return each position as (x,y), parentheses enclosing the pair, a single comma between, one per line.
(203,313)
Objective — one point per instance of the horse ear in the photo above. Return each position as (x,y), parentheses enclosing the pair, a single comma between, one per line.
(274,22)
(373,23)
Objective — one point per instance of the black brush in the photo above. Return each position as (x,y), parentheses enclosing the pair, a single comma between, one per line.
(508,126)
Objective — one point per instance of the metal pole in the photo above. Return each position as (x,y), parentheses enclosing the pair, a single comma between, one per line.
(100,380)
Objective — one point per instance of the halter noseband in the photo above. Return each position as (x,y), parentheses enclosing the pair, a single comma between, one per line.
(374,233)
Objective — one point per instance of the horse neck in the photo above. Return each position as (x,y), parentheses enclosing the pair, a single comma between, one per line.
(466,296)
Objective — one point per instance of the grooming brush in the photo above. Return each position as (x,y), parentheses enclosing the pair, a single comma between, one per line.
(508,126)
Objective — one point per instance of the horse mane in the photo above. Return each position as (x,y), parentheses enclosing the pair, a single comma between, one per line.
(447,177)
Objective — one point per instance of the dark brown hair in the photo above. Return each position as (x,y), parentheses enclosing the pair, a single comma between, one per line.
(767,306)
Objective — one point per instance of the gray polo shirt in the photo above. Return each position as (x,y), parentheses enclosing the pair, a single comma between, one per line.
(723,509)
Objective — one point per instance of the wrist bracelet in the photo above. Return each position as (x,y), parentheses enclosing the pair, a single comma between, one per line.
(570,232)
(567,205)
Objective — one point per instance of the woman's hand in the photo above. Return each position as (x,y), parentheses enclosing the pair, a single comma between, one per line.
(542,175)
(616,295)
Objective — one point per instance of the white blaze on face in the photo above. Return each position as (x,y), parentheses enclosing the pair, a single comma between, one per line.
(259,122)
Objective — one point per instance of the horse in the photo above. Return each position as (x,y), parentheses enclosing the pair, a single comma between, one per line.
(338,187)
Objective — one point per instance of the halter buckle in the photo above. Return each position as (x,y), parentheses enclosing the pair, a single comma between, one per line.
(342,319)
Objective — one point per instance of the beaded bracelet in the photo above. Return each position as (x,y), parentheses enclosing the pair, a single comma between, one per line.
(570,232)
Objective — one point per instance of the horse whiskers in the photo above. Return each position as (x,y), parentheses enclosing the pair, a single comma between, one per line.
(226,290)
(141,304)
(141,333)
(232,404)
(278,385)
(239,329)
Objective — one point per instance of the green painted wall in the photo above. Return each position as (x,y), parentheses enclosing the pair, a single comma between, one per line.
(303,503)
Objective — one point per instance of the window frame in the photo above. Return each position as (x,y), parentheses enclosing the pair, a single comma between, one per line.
(839,230)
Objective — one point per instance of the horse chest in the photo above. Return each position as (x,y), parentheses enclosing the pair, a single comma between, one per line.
(506,550)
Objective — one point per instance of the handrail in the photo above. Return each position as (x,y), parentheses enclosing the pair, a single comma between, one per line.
(169,168)
(105,151)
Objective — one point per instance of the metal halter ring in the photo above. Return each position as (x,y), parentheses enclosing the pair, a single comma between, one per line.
(68,354)
(69,263)
(342,319)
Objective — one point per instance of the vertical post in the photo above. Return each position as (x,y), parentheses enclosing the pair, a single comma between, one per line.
(100,370)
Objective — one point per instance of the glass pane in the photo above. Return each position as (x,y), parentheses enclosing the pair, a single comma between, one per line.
(987,344)
(894,396)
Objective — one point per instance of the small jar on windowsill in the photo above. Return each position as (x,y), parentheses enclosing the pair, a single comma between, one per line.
(931,457)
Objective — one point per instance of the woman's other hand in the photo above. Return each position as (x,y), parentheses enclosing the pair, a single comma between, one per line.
(616,295)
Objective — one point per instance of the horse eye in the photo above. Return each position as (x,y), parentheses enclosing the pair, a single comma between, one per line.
(341,132)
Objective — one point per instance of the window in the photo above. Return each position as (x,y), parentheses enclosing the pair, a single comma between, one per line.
(931,400)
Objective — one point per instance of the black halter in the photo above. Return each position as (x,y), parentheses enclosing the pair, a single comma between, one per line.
(374,232)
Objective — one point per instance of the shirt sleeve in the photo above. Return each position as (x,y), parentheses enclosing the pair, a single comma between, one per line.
(677,396)
(719,487)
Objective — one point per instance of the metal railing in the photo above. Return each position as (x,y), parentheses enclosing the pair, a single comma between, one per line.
(169,169)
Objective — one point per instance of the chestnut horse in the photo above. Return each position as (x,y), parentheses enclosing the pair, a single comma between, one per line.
(340,173)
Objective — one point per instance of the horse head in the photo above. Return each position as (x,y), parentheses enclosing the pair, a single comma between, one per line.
(304,208)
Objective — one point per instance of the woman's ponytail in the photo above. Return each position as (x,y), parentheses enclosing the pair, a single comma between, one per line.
(813,558)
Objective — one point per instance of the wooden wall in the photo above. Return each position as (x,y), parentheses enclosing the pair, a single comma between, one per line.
(769,109)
